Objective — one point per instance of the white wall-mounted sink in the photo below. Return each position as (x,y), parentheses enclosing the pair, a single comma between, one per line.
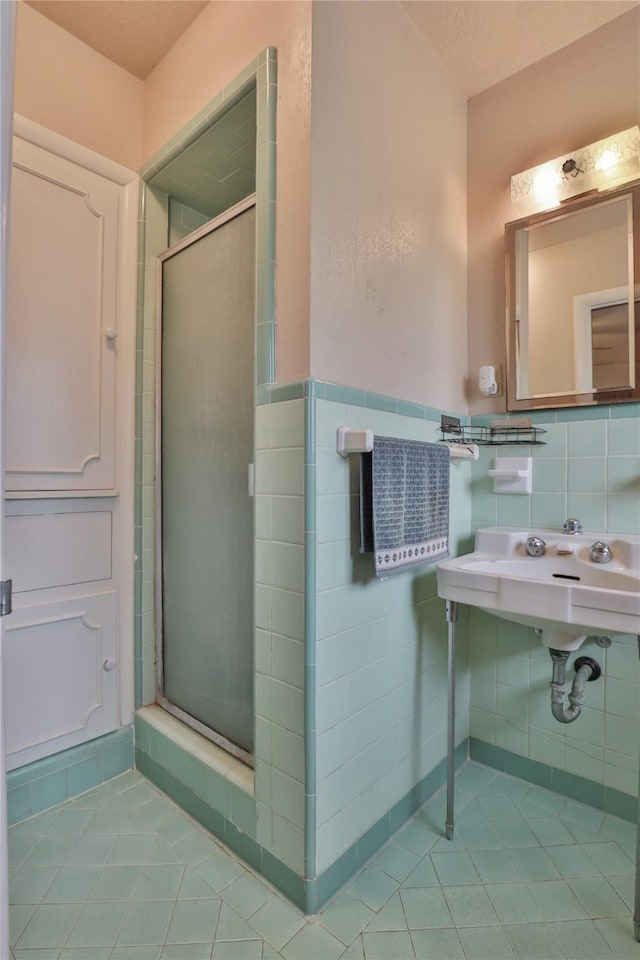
(563,593)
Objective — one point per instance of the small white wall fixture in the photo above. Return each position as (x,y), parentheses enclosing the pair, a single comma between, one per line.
(512,475)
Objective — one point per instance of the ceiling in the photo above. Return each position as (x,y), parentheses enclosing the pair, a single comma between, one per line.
(135,34)
(481,41)
(484,41)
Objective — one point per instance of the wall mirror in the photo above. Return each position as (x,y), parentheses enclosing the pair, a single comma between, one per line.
(573,303)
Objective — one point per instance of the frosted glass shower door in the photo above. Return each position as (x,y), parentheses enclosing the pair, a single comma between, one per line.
(206,445)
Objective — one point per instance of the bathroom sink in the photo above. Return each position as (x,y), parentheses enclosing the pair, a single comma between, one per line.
(563,593)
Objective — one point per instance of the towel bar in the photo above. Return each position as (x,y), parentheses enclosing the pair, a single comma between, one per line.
(361,441)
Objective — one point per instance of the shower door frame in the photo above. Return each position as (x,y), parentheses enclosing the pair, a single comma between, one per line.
(217,738)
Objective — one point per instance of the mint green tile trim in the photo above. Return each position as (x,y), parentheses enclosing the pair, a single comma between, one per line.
(611,411)
(344,394)
(335,876)
(408,409)
(19,804)
(279,392)
(263,394)
(216,792)
(137,621)
(220,826)
(621,805)
(354,396)
(578,788)
(202,120)
(283,877)
(45,783)
(567,784)
(566,414)
(315,388)
(378,401)
(237,88)
(310,588)
(625,410)
(572,414)
(309,894)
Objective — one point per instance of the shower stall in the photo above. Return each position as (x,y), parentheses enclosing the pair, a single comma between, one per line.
(204,479)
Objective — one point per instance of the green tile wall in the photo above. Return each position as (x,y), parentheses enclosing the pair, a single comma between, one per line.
(183,220)
(588,468)
(280,585)
(217,169)
(381,648)
(390,742)
(545,775)
(46,783)
(230,799)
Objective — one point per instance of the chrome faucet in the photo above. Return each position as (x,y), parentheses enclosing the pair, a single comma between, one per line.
(572,526)
(535,547)
(600,552)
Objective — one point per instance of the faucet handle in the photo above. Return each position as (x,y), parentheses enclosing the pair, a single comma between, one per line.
(600,552)
(572,526)
(535,547)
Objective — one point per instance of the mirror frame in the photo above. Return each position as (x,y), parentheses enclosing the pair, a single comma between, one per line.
(576,399)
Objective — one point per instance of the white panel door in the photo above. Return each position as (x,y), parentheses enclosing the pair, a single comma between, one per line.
(69,432)
(51,550)
(62,327)
(60,658)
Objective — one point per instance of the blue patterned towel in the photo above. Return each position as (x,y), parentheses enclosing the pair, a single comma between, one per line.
(404,503)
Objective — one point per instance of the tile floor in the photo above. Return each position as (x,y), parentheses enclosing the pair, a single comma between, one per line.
(122,874)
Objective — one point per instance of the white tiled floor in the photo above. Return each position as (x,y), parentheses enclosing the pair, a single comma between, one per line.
(122,874)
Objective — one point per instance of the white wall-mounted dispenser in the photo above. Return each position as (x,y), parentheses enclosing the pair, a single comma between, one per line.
(487,381)
(512,475)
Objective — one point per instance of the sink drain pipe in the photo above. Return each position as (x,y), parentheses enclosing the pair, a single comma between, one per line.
(586,669)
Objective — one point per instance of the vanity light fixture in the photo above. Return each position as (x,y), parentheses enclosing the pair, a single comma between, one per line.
(603,164)
(570,169)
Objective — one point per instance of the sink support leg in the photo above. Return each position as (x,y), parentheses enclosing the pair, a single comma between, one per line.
(451,610)
(636,913)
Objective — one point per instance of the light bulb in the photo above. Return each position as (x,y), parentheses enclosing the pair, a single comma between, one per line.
(546,183)
(607,160)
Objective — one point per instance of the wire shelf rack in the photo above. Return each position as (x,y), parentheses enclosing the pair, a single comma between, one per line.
(496,435)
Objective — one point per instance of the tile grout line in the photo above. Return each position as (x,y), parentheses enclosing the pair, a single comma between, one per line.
(476,788)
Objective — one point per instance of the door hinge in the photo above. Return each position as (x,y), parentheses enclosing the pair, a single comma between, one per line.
(5,597)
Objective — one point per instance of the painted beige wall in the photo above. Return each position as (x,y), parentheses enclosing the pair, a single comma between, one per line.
(216,47)
(66,86)
(388,208)
(570,99)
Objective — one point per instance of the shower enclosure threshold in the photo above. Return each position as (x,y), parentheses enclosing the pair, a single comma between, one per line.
(207,732)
